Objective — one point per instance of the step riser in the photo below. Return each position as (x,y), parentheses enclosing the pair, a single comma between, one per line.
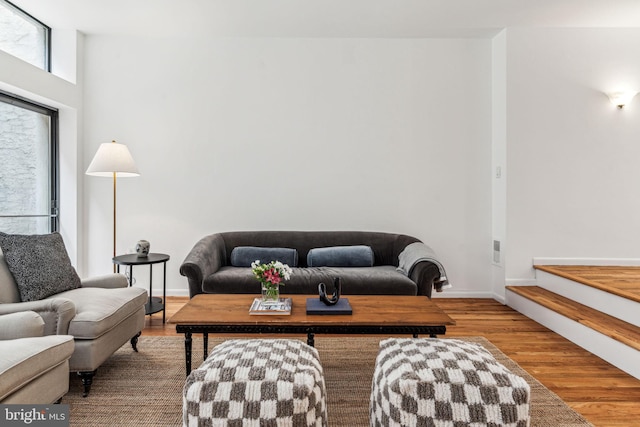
(605,302)
(614,352)
(613,262)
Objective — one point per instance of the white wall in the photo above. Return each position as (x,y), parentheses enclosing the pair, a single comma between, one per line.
(399,135)
(574,181)
(315,134)
(395,135)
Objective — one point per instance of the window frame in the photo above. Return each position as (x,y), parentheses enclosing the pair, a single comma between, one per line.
(54,150)
(47,32)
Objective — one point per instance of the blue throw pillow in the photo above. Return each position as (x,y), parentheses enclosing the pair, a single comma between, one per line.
(341,256)
(243,256)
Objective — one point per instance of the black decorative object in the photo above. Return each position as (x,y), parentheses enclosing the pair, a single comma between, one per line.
(337,283)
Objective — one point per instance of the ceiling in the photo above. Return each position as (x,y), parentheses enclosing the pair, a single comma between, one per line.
(327,18)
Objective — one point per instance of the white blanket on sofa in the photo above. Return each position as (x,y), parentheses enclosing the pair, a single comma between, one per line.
(416,252)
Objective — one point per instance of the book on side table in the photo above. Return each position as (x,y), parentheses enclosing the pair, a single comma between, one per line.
(280,307)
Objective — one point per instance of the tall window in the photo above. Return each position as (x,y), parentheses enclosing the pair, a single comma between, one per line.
(24,36)
(28,172)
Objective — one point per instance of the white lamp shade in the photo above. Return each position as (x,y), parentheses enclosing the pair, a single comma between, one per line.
(113,157)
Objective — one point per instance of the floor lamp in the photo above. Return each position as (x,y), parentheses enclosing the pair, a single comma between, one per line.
(113,160)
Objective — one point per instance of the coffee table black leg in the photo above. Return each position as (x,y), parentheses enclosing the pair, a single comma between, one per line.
(205,339)
(431,335)
(310,341)
(187,351)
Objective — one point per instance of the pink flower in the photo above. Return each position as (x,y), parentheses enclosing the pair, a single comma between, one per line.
(272,276)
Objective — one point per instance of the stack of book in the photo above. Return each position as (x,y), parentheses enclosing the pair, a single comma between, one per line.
(280,307)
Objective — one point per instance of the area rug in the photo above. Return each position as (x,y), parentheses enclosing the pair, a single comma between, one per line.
(145,388)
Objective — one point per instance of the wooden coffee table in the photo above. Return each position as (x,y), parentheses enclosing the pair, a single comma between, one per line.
(372,314)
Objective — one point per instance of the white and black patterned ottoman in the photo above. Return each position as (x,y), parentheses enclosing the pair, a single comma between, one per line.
(257,382)
(444,382)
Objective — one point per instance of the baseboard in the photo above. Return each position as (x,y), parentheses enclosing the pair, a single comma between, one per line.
(500,298)
(177,292)
(630,262)
(450,293)
(521,282)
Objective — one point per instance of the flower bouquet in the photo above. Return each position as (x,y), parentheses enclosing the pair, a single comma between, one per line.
(271,276)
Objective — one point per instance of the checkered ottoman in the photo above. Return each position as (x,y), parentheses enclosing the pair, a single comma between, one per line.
(434,382)
(257,382)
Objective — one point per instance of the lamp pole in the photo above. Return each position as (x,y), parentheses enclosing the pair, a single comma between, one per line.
(114,218)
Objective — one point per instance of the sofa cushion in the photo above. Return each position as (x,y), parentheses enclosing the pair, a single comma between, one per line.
(341,256)
(243,256)
(39,264)
(27,358)
(100,310)
(378,280)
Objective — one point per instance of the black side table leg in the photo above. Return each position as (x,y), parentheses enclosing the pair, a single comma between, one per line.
(205,339)
(150,288)
(310,341)
(164,295)
(187,351)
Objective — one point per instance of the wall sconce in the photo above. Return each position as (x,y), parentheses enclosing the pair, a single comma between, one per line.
(620,99)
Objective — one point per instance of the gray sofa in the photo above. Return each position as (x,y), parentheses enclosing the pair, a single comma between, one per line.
(209,268)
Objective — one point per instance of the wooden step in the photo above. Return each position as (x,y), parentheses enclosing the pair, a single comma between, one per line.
(607,325)
(617,280)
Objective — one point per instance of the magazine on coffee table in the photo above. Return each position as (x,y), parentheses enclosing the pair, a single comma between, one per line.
(281,307)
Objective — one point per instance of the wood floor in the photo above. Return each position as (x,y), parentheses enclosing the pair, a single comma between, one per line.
(602,393)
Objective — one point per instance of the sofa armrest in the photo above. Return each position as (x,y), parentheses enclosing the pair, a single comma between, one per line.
(204,259)
(23,324)
(108,281)
(425,274)
(56,313)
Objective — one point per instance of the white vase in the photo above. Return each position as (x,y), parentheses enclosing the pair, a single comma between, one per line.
(142,248)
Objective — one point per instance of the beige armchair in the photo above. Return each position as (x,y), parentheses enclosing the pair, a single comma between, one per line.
(101,314)
(34,369)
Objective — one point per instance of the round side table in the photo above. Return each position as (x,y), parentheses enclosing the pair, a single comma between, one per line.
(154,304)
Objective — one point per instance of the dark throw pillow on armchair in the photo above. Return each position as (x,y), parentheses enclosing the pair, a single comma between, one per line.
(39,264)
